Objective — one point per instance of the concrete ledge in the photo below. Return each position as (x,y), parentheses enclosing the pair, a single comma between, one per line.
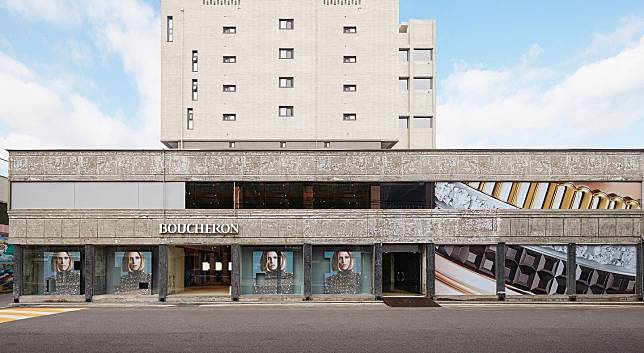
(342,298)
(271,298)
(52,299)
(139,299)
(183,299)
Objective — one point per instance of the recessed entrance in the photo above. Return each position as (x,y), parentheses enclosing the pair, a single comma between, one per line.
(401,273)
(199,271)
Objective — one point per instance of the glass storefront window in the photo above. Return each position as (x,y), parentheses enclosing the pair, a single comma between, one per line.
(52,271)
(342,270)
(126,271)
(272,270)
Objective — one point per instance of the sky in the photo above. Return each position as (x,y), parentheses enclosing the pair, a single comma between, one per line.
(510,74)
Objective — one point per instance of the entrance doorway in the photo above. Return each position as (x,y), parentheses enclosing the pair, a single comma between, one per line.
(401,273)
(199,270)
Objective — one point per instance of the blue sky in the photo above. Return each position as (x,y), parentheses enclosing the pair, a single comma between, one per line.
(509,73)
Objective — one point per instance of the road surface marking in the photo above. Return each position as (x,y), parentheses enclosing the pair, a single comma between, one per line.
(13,314)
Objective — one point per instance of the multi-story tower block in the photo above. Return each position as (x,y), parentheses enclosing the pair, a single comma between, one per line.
(295,74)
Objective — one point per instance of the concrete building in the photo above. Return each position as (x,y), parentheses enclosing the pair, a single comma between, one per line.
(295,74)
(326,225)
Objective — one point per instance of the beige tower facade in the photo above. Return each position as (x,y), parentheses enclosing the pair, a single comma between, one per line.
(295,74)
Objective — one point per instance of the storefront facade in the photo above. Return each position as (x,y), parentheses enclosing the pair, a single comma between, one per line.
(325,225)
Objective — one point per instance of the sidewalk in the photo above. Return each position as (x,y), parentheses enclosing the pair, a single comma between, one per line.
(6,299)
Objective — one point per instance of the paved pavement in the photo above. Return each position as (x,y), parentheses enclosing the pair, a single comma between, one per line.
(332,328)
(6,299)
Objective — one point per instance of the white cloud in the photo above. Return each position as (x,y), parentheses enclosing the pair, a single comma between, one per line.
(627,35)
(49,112)
(62,12)
(512,108)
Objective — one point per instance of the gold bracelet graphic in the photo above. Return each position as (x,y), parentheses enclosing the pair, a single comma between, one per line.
(550,195)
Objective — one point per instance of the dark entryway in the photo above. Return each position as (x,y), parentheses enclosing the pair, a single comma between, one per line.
(401,273)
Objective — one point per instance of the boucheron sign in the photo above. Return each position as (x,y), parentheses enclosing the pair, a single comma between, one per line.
(198,228)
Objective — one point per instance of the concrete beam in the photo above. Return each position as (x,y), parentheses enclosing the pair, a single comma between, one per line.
(387,165)
(430,270)
(163,272)
(308,274)
(17,272)
(499,270)
(377,271)
(235,281)
(89,272)
(571,272)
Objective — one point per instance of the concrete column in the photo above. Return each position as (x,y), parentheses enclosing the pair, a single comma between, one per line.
(430,270)
(499,270)
(163,272)
(571,272)
(235,281)
(308,258)
(639,277)
(377,271)
(88,270)
(17,271)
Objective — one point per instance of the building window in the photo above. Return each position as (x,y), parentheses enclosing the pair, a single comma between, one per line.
(403,122)
(403,83)
(286,23)
(286,110)
(327,145)
(195,89)
(195,61)
(423,122)
(230,30)
(422,83)
(191,119)
(350,29)
(349,116)
(231,144)
(230,117)
(350,59)
(170,29)
(286,53)
(404,55)
(230,59)
(283,144)
(349,88)
(230,88)
(424,55)
(286,82)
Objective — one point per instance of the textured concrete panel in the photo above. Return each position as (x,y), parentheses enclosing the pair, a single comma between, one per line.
(53,228)
(88,228)
(388,165)
(572,227)
(589,227)
(70,228)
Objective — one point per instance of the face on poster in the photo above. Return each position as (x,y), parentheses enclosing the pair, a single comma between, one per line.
(344,275)
(273,272)
(134,261)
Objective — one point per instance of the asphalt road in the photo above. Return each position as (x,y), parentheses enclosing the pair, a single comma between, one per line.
(331,328)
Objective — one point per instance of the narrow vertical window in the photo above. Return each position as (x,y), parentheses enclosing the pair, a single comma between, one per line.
(190,119)
(283,144)
(195,61)
(195,89)
(231,144)
(170,29)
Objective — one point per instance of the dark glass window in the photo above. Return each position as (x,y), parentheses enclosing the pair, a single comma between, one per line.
(406,195)
(4,218)
(272,195)
(341,195)
(209,195)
